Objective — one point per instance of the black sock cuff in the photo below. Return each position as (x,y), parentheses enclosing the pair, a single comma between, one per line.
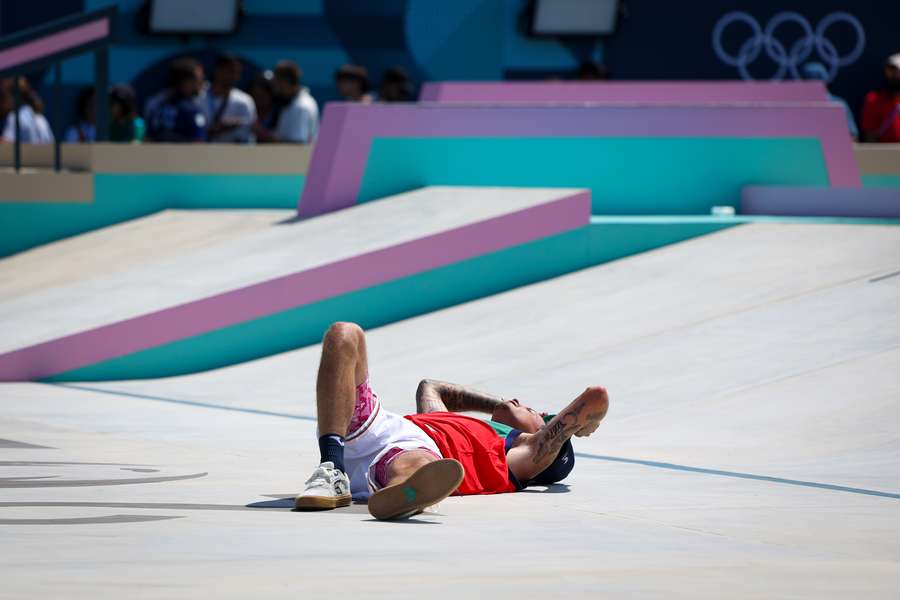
(331,449)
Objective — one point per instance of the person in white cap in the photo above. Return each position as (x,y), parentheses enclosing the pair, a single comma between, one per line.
(881,111)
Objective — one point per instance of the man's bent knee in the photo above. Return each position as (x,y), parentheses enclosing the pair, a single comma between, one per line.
(343,337)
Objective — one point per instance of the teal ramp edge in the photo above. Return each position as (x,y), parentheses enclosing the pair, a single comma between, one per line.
(881,180)
(626,176)
(121,197)
(402,298)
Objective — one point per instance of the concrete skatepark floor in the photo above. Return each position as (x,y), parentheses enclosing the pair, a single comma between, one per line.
(751,449)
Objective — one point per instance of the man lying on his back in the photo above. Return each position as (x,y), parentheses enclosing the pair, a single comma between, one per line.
(405,464)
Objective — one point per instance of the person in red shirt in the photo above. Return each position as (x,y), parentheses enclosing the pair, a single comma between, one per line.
(881,110)
(404,464)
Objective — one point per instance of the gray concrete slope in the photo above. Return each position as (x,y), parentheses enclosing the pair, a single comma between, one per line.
(751,450)
(126,246)
(229,263)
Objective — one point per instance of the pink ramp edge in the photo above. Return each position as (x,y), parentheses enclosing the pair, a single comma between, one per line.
(348,129)
(269,297)
(645,92)
(56,42)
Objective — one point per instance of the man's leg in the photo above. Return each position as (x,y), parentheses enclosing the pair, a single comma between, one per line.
(343,367)
(415,479)
(535,452)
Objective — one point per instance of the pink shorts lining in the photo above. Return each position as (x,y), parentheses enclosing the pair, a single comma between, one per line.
(378,470)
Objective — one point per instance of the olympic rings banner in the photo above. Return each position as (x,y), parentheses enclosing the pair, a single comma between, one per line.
(813,44)
(757,40)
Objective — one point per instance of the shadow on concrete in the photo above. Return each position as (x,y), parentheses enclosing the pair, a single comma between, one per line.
(555,488)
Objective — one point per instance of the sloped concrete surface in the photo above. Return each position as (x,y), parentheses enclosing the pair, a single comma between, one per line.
(751,449)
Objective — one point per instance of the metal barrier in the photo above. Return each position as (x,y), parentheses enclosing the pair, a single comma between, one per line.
(50,44)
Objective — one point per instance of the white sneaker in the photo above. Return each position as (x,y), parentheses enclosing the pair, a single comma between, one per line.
(326,488)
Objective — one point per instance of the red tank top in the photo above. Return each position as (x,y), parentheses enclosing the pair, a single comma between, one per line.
(475,444)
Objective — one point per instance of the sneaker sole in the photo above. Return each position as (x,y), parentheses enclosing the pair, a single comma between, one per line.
(321,502)
(427,486)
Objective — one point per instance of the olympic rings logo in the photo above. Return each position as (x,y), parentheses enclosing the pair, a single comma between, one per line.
(788,60)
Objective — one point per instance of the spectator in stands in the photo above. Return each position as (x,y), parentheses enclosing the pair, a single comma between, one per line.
(177,118)
(352,83)
(179,64)
(231,112)
(85,128)
(33,126)
(395,86)
(592,71)
(7,105)
(124,123)
(263,93)
(298,119)
(816,70)
(881,110)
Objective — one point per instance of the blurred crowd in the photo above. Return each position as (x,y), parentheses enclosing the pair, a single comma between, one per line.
(277,107)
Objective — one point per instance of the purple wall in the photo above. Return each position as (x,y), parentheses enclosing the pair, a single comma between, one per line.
(650,92)
(802,201)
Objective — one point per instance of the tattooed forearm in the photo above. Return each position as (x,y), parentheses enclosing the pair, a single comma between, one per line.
(428,399)
(580,418)
(557,431)
(442,396)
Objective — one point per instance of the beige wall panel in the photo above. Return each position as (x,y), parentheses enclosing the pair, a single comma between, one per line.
(31,185)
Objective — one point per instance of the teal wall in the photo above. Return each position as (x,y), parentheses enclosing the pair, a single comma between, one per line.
(881,180)
(639,176)
(120,197)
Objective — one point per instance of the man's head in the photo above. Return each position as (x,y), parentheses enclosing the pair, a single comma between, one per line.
(558,470)
(186,77)
(227,70)
(286,79)
(352,82)
(517,415)
(892,72)
(815,71)
(122,102)
(395,86)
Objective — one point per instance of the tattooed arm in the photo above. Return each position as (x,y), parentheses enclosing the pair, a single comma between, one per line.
(581,418)
(433,396)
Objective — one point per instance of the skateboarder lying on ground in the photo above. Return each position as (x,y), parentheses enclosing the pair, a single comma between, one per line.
(408,463)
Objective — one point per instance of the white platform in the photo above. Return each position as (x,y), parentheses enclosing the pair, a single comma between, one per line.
(751,450)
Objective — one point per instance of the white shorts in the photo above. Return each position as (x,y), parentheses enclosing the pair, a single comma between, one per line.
(371,440)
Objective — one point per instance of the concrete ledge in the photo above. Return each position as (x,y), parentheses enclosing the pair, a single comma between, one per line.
(623,91)
(36,185)
(878,159)
(821,201)
(74,157)
(275,159)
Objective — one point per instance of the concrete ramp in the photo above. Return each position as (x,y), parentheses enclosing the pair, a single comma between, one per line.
(751,444)
(57,330)
(166,234)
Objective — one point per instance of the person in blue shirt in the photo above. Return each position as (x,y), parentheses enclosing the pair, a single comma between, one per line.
(816,70)
(84,130)
(178,118)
